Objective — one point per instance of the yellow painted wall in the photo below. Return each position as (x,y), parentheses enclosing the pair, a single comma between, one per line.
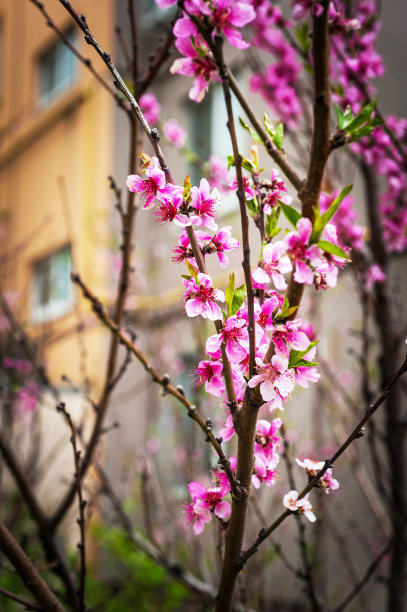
(72,137)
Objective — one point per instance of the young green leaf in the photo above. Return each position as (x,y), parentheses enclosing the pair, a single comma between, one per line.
(230,290)
(253,206)
(362,117)
(296,356)
(238,299)
(291,214)
(333,249)
(251,131)
(271,222)
(322,220)
(192,271)
(279,136)
(339,116)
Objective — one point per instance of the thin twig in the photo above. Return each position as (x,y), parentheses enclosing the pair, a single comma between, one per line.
(356,433)
(163,381)
(84,60)
(27,571)
(81,505)
(369,573)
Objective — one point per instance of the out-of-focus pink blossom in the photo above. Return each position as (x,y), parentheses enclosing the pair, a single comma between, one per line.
(150,107)
(175,133)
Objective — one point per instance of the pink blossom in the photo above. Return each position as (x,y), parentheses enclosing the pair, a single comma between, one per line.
(209,372)
(312,468)
(175,133)
(149,187)
(198,65)
(296,244)
(200,297)
(300,506)
(374,275)
(204,501)
(150,107)
(263,471)
(288,335)
(183,249)
(249,191)
(276,381)
(274,264)
(27,398)
(266,440)
(205,205)
(222,241)
(276,191)
(228,430)
(235,337)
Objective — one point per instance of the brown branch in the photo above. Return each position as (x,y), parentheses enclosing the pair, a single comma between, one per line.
(163,381)
(320,146)
(42,521)
(218,54)
(119,83)
(356,433)
(24,602)
(28,573)
(81,505)
(369,573)
(307,572)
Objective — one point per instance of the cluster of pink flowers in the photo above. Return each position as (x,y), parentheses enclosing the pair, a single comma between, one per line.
(312,467)
(207,500)
(291,361)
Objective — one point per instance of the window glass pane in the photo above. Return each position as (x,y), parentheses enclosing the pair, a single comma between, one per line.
(56,70)
(51,286)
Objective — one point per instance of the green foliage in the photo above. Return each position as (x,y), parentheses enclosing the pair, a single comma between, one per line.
(132,582)
(234,297)
(296,360)
(358,125)
(321,220)
(271,223)
(276,133)
(291,214)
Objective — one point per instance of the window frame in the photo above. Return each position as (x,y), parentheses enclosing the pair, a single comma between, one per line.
(64,62)
(53,307)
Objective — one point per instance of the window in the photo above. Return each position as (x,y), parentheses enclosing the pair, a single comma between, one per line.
(51,293)
(56,70)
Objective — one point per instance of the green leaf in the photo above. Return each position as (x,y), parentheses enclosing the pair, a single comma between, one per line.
(248,165)
(302,33)
(268,125)
(253,206)
(275,231)
(322,220)
(251,131)
(347,117)
(297,356)
(339,116)
(238,299)
(186,276)
(333,249)
(291,214)
(306,364)
(362,117)
(279,137)
(286,310)
(271,222)
(191,270)
(231,161)
(230,290)
(276,134)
